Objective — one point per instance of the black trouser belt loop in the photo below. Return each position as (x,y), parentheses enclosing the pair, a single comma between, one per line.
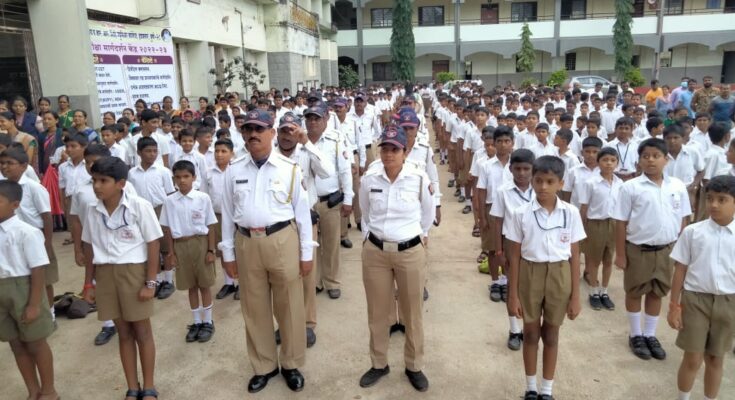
(401,245)
(269,230)
(651,248)
(327,196)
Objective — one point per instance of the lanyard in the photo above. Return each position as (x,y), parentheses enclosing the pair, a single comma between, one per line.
(530,194)
(623,157)
(124,224)
(564,213)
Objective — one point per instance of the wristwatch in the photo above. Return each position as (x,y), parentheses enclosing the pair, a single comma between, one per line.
(151,284)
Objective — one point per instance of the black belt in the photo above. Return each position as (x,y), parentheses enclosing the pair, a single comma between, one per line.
(401,245)
(367,146)
(354,152)
(651,248)
(327,196)
(269,230)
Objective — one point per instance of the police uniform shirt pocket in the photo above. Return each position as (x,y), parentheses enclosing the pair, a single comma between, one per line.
(279,192)
(377,200)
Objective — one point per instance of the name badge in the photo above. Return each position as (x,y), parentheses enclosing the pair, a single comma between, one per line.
(196,215)
(126,234)
(376,190)
(565,236)
(240,181)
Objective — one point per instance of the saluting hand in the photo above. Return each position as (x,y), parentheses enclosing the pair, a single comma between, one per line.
(305,267)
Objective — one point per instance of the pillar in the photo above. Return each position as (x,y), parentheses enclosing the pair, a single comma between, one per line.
(360,59)
(199,66)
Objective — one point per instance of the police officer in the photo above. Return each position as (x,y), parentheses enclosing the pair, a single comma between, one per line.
(348,129)
(267,241)
(398,211)
(335,195)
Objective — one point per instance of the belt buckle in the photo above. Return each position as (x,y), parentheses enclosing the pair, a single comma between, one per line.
(258,232)
(390,247)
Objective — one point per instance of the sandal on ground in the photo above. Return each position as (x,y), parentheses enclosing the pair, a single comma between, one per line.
(476,231)
(134,393)
(483,255)
(148,393)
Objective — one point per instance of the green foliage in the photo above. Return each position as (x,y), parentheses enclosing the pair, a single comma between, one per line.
(635,77)
(528,82)
(558,77)
(248,73)
(526,56)
(622,36)
(348,77)
(444,77)
(402,47)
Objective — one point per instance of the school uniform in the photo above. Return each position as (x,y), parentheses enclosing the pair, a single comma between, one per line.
(539,149)
(600,195)
(507,199)
(716,162)
(85,196)
(493,175)
(545,281)
(525,140)
(189,218)
(164,148)
(570,160)
(707,249)
(23,249)
(119,242)
(153,184)
(71,176)
(200,165)
(116,150)
(688,163)
(627,156)
(654,216)
(700,139)
(608,118)
(575,178)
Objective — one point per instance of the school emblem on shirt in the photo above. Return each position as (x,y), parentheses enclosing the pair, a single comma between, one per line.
(196,215)
(564,236)
(126,234)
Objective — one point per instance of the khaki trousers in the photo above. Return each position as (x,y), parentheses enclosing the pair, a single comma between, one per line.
(379,271)
(310,288)
(270,285)
(330,225)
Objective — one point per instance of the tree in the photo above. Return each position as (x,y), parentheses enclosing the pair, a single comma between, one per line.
(402,48)
(622,37)
(526,56)
(247,72)
(348,77)
(224,80)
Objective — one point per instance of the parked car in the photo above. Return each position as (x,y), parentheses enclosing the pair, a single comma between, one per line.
(589,81)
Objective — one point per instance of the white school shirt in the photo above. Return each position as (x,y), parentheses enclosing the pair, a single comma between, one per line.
(188,214)
(22,248)
(540,150)
(493,175)
(627,155)
(213,185)
(368,127)
(525,140)
(609,118)
(339,177)
(478,159)
(396,211)
(599,195)
(507,199)
(164,147)
(575,178)
(200,165)
(570,160)
(685,166)
(35,201)
(121,237)
(708,251)
(654,214)
(545,237)
(701,139)
(117,150)
(153,184)
(85,196)
(71,176)
(473,140)
(716,162)
(173,147)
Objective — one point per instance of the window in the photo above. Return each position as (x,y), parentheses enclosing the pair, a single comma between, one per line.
(573,9)
(674,7)
(381,17)
(729,6)
(431,16)
(636,61)
(714,3)
(489,14)
(570,61)
(520,12)
(638,8)
(382,71)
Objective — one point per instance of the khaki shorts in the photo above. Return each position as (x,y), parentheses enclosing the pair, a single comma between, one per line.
(192,271)
(486,235)
(647,272)
(544,290)
(118,286)
(52,270)
(464,173)
(709,323)
(164,243)
(14,293)
(453,158)
(600,241)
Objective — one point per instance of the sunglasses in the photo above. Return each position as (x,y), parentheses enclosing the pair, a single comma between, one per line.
(257,128)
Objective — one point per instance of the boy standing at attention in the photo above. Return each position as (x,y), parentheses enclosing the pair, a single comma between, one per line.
(188,220)
(577,176)
(26,319)
(121,239)
(651,210)
(543,253)
(702,305)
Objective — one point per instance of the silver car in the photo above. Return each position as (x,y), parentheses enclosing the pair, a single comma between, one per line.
(588,82)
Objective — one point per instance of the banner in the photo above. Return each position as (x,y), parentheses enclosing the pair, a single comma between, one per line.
(132,62)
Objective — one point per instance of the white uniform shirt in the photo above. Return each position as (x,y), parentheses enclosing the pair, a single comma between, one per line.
(213,185)
(188,214)
(22,248)
(422,156)
(164,147)
(540,150)
(493,175)
(35,201)
(397,211)
(654,214)
(117,150)
(71,176)
(334,153)
(123,236)
(153,184)
(367,128)
(507,199)
(313,164)
(599,195)
(200,165)
(708,251)
(627,155)
(716,162)
(473,140)
(478,159)
(575,178)
(701,139)
(608,118)
(546,237)
(259,197)
(85,196)
(570,161)
(685,166)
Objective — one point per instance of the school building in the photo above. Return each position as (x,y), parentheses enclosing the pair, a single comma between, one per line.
(45,44)
(478,39)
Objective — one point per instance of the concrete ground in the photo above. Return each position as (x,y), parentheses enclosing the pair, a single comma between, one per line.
(465,336)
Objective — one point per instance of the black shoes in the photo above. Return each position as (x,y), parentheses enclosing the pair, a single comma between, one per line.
(606,302)
(193,333)
(639,347)
(166,289)
(359,226)
(530,395)
(461,199)
(259,382)
(206,331)
(319,289)
(373,375)
(418,380)
(225,291)
(105,335)
(334,293)
(495,292)
(467,210)
(545,397)
(595,302)
(310,337)
(346,243)
(504,293)
(515,340)
(294,379)
(450,183)
(654,346)
(397,327)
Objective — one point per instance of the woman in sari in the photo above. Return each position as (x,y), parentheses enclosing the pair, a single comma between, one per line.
(66,115)
(29,142)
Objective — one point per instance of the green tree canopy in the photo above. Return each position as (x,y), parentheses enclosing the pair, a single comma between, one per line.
(526,57)
(402,48)
(622,36)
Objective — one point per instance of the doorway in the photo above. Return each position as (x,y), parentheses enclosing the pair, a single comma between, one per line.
(728,67)
(438,66)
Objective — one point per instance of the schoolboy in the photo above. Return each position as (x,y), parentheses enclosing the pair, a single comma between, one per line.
(149,121)
(654,128)
(562,141)
(593,129)
(167,132)
(702,304)
(121,239)
(543,146)
(72,171)
(204,144)
(473,142)
(685,162)
(597,197)
(188,222)
(529,139)
(154,182)
(125,139)
(699,133)
(26,320)
(642,246)
(188,153)
(109,135)
(543,282)
(577,176)
(626,146)
(716,159)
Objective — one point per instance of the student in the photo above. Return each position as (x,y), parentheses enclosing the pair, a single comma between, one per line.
(121,248)
(543,282)
(109,135)
(716,159)
(543,146)
(650,212)
(684,162)
(26,321)
(654,129)
(593,128)
(562,141)
(702,290)
(153,182)
(626,148)
(188,222)
(167,133)
(699,133)
(597,197)
(578,175)
(149,121)
(473,143)
(188,153)
(204,144)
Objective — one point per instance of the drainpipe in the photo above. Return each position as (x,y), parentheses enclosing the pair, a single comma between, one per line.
(456,40)
(165,13)
(659,33)
(360,65)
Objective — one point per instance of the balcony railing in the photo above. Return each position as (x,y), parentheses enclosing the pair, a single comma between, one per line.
(303,20)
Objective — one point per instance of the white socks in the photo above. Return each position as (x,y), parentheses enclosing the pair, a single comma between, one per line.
(546,386)
(684,395)
(468,201)
(503,280)
(515,324)
(531,384)
(108,324)
(634,320)
(207,311)
(461,191)
(228,280)
(196,313)
(53,313)
(649,325)
(168,276)
(603,290)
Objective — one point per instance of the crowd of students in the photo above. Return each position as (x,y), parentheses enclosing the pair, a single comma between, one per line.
(547,175)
